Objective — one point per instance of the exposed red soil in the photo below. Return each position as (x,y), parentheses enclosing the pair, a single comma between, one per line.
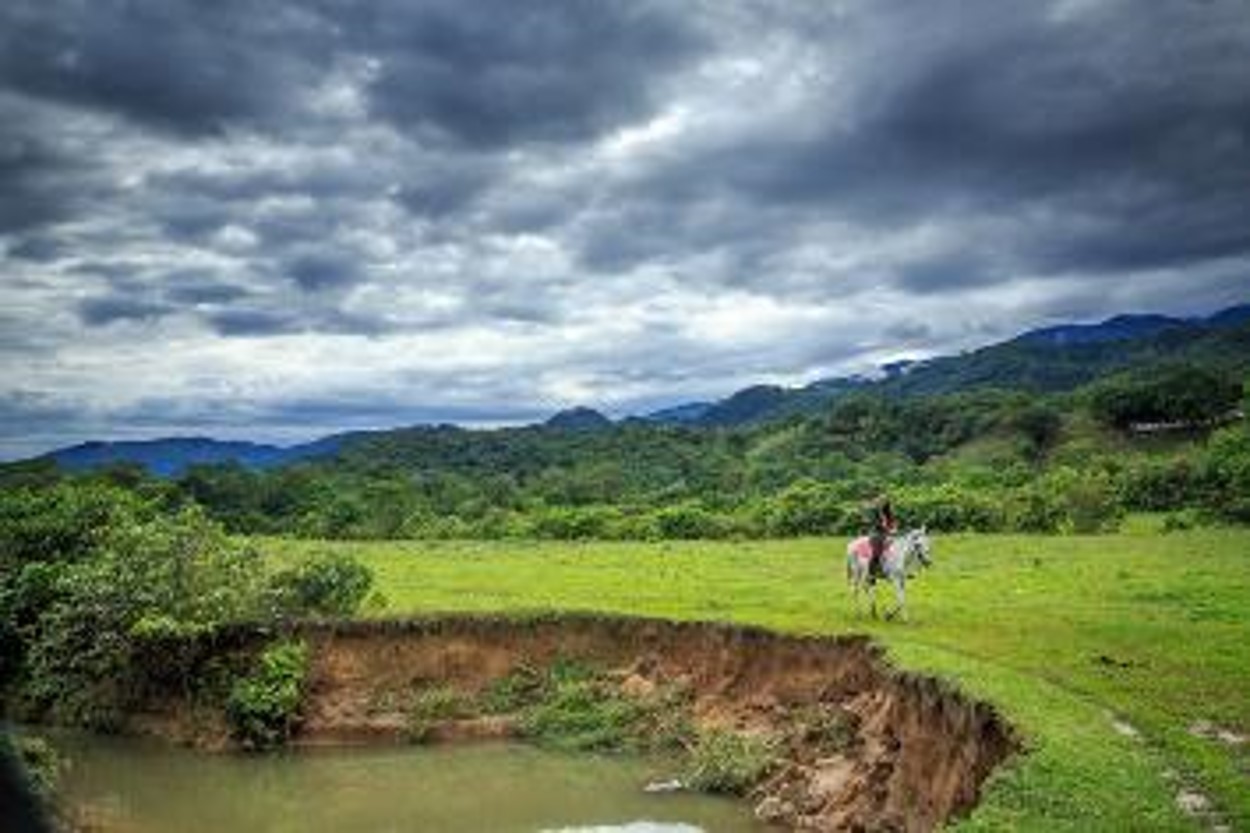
(913,752)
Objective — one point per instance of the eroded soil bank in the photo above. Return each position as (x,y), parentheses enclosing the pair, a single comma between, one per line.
(910,753)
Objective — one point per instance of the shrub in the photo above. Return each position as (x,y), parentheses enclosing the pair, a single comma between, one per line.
(264,708)
(723,761)
(1034,509)
(689,521)
(523,686)
(40,764)
(948,508)
(430,706)
(332,584)
(1180,520)
(1089,499)
(1226,465)
(582,715)
(805,507)
(576,523)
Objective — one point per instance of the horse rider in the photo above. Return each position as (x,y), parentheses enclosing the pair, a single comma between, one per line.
(881,525)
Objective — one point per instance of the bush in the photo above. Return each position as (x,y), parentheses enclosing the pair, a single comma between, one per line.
(331,584)
(1089,499)
(722,761)
(582,715)
(1184,394)
(805,507)
(1180,521)
(39,763)
(264,708)
(690,521)
(573,524)
(1035,509)
(1226,465)
(523,686)
(430,706)
(948,508)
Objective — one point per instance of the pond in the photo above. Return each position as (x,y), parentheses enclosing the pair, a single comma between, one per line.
(130,785)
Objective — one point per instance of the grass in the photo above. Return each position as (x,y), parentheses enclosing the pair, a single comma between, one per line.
(1067,634)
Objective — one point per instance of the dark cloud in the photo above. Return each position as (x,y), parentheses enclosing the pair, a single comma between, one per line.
(198,287)
(260,322)
(185,66)
(547,202)
(323,271)
(489,75)
(37,248)
(109,309)
(945,275)
(35,176)
(1105,117)
(250,322)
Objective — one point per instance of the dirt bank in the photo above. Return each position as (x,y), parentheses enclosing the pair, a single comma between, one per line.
(910,751)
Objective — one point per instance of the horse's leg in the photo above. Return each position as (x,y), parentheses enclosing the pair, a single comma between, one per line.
(900,595)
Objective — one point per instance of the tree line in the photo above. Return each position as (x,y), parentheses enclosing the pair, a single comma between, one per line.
(987,460)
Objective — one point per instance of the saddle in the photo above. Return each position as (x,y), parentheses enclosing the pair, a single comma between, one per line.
(862,548)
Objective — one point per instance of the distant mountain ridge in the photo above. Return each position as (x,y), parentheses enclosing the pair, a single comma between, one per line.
(1121,327)
(171,456)
(578,419)
(1047,359)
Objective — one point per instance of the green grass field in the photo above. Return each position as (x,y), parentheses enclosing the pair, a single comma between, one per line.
(1068,635)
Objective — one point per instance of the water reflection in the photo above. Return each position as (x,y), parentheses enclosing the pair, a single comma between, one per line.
(140,786)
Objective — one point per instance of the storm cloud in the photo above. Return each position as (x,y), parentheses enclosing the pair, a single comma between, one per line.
(314,216)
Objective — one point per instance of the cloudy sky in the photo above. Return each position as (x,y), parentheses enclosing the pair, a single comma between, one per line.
(279,219)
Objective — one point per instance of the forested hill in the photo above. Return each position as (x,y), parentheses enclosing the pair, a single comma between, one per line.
(1049,361)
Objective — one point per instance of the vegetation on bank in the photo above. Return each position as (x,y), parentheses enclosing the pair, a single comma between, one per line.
(575,706)
(106,598)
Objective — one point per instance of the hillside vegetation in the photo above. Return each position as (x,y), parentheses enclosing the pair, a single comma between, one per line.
(1162,438)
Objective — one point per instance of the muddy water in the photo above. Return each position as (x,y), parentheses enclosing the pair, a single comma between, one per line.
(125,785)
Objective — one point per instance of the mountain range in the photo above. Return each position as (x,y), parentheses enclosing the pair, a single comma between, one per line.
(1048,359)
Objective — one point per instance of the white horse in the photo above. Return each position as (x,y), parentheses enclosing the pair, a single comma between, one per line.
(898,563)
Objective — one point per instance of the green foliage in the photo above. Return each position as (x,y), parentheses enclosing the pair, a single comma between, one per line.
(264,707)
(430,706)
(72,627)
(949,507)
(570,705)
(330,584)
(807,507)
(1226,461)
(38,761)
(521,687)
(1089,499)
(584,715)
(65,522)
(1183,394)
(723,761)
(1039,425)
(690,520)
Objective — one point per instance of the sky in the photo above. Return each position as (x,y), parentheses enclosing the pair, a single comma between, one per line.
(278,220)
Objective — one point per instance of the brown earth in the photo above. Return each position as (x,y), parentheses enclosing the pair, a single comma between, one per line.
(911,753)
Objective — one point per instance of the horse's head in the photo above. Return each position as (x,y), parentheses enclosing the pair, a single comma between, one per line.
(919,545)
